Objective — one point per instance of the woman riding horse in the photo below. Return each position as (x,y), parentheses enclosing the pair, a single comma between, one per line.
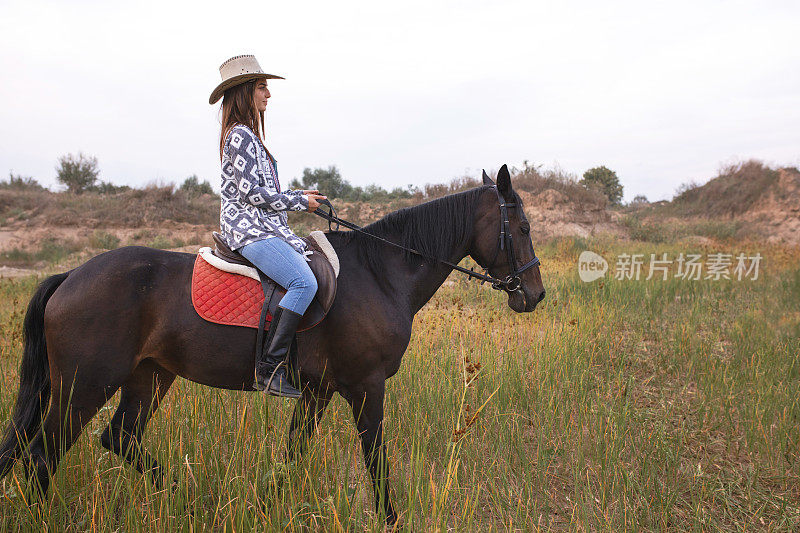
(253,216)
(124,320)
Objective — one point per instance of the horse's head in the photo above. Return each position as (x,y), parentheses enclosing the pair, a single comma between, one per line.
(496,245)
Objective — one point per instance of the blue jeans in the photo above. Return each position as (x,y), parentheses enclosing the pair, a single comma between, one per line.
(284,265)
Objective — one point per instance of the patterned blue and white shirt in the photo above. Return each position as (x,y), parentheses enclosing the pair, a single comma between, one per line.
(253,207)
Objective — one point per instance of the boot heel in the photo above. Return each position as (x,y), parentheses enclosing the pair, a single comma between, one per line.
(262,377)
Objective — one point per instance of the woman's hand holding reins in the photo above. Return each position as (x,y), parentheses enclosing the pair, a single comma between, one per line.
(313,199)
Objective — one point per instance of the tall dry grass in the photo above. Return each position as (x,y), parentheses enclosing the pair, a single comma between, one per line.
(616,406)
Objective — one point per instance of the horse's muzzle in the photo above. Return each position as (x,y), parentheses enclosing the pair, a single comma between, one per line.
(522,301)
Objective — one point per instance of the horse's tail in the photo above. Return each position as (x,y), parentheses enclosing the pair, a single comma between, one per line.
(34,377)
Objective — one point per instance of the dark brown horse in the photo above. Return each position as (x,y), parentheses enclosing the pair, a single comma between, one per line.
(124,320)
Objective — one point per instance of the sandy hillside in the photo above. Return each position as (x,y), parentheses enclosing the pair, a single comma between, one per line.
(41,229)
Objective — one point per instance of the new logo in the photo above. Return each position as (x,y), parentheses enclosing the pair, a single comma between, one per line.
(591,266)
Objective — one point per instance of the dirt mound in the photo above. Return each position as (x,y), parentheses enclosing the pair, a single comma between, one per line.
(765,201)
(776,213)
(135,208)
(553,214)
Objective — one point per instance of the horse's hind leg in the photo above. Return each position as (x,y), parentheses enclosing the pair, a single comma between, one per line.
(141,394)
(72,406)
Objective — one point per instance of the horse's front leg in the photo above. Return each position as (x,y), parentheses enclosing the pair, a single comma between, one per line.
(307,413)
(367,405)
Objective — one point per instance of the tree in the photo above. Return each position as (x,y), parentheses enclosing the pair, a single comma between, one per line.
(639,200)
(605,180)
(328,181)
(192,186)
(78,173)
(332,184)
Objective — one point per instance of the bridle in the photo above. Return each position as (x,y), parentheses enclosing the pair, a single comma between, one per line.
(510,284)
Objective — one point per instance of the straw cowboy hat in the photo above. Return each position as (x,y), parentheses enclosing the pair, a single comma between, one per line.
(236,70)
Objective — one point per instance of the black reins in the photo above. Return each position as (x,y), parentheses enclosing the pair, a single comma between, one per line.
(512,282)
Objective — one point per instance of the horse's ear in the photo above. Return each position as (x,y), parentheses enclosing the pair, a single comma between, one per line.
(486,179)
(504,182)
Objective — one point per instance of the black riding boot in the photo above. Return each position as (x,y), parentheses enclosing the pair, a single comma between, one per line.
(271,374)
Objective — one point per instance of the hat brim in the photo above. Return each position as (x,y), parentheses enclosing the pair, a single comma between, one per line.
(217,93)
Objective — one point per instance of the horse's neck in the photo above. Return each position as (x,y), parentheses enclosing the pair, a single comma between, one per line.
(411,283)
(418,281)
(426,281)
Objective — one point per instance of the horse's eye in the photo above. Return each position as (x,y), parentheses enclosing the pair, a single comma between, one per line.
(525,227)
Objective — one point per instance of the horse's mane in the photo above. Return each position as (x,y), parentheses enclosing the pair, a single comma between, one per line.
(433,228)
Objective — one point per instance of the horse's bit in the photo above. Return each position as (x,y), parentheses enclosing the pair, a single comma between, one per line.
(511,283)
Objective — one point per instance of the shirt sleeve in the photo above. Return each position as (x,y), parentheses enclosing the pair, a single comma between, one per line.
(243,169)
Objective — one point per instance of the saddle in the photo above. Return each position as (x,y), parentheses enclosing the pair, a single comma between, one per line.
(228,289)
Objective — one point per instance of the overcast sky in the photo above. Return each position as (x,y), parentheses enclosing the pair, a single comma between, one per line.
(408,92)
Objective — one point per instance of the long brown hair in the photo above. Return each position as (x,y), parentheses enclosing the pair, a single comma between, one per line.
(238,107)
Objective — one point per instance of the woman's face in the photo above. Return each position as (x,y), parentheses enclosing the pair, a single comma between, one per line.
(260,95)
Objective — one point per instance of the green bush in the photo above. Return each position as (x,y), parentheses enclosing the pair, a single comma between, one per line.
(722,230)
(606,181)
(194,187)
(50,251)
(161,242)
(331,184)
(328,180)
(104,240)
(79,173)
(108,188)
(647,230)
(20,183)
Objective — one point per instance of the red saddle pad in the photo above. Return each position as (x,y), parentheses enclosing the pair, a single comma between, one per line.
(225,298)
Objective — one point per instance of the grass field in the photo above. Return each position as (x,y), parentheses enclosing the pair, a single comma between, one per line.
(617,405)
